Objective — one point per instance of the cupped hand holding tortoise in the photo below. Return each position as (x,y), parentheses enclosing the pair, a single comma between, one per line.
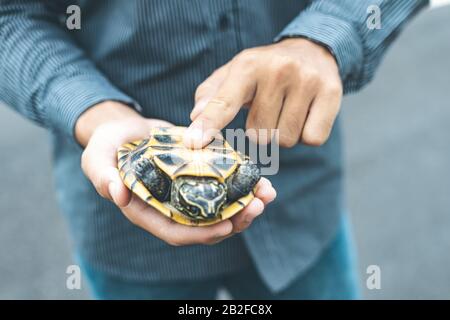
(105,127)
(194,187)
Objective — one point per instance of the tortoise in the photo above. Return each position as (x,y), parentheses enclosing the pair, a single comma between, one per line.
(193,187)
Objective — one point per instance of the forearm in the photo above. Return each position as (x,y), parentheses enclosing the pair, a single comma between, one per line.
(43,74)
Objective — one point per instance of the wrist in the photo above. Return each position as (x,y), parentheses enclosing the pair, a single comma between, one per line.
(314,50)
(304,43)
(98,115)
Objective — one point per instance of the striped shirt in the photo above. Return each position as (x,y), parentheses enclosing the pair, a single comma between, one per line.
(153,54)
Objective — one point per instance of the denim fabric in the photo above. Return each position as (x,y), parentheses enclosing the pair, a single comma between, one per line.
(332,276)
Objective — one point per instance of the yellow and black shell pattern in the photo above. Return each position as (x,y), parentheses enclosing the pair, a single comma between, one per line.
(165,147)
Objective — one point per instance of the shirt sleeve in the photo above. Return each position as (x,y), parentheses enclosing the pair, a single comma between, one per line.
(342,27)
(44,75)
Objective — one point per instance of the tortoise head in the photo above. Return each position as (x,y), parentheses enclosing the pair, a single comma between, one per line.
(199,197)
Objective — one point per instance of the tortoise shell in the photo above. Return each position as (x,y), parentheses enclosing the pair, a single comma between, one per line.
(165,148)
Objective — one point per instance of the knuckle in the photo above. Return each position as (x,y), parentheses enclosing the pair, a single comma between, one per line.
(206,119)
(222,103)
(203,89)
(283,71)
(284,67)
(290,64)
(246,56)
(103,130)
(334,88)
(311,77)
(200,91)
(280,74)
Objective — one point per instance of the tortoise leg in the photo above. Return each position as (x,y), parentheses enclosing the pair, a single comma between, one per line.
(242,181)
(156,182)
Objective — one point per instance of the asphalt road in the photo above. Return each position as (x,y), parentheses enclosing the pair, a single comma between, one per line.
(398,154)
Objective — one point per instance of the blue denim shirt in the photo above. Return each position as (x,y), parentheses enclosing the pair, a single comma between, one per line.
(154,54)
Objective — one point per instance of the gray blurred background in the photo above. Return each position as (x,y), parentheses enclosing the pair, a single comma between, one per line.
(398,167)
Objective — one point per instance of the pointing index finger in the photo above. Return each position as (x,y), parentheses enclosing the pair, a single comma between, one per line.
(220,110)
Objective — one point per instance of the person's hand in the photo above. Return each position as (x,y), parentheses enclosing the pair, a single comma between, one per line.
(293,86)
(103,129)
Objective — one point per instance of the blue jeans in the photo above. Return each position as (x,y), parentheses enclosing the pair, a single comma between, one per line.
(333,276)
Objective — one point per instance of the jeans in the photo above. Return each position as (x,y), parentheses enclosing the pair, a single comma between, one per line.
(332,276)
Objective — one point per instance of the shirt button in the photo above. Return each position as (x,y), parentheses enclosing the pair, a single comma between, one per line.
(224,21)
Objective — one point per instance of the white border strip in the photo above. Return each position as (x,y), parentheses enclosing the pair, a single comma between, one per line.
(439,3)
